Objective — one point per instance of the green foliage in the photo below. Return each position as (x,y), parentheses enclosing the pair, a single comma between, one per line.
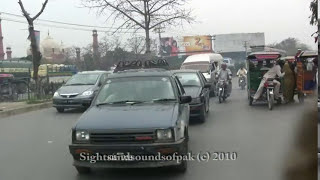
(290,45)
(314,11)
(35,100)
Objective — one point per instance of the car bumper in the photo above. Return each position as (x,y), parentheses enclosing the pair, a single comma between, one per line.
(72,103)
(196,110)
(133,149)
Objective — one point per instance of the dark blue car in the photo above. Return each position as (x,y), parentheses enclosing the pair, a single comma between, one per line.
(136,113)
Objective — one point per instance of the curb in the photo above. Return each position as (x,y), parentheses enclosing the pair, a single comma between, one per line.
(22,110)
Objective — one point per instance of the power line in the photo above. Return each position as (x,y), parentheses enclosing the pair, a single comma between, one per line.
(65,23)
(64,27)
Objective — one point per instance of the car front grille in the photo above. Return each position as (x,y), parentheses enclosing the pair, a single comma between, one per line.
(113,138)
(69,96)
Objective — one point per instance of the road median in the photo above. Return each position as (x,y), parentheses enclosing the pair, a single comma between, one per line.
(10,109)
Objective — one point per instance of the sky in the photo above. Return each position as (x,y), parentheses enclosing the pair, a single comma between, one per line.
(278,19)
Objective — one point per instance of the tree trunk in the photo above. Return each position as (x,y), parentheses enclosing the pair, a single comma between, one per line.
(148,47)
(147,27)
(36,58)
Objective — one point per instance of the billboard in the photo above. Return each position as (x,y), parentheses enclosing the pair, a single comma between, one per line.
(37,36)
(187,45)
(197,44)
(225,43)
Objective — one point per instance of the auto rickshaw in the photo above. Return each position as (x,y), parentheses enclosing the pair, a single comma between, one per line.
(306,70)
(8,90)
(258,63)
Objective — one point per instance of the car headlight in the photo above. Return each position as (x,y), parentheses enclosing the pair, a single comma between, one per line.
(87,93)
(56,94)
(165,135)
(196,100)
(82,136)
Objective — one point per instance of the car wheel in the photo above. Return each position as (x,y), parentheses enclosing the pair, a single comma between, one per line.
(212,93)
(202,117)
(208,107)
(83,170)
(184,164)
(60,110)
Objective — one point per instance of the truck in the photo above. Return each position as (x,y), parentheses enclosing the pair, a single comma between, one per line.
(20,69)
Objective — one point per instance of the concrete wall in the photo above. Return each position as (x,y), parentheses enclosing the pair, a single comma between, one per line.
(235,42)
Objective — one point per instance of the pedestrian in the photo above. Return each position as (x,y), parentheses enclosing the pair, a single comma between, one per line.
(288,80)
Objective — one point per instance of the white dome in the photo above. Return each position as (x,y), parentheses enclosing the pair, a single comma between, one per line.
(49,43)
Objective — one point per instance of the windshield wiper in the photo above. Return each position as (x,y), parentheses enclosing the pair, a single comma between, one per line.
(163,100)
(122,102)
(75,84)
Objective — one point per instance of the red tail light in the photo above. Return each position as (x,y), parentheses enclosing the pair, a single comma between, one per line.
(266,84)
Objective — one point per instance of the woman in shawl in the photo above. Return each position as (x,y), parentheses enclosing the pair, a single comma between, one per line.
(288,90)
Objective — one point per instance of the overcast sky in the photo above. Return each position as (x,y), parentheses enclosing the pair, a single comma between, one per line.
(278,19)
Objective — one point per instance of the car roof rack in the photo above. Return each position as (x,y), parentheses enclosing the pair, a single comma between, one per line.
(126,66)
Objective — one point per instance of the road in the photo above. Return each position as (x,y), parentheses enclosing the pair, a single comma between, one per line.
(34,146)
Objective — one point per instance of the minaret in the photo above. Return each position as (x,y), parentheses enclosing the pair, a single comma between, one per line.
(9,53)
(1,43)
(95,44)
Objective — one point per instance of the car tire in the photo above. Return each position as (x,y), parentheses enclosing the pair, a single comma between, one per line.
(181,168)
(212,93)
(208,107)
(60,110)
(83,170)
(202,117)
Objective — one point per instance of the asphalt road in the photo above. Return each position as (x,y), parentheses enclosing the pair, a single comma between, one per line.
(34,146)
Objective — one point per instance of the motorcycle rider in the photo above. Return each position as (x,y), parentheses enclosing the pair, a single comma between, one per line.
(272,73)
(225,74)
(242,72)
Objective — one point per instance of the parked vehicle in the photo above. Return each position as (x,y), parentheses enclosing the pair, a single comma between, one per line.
(79,90)
(259,63)
(136,113)
(8,88)
(196,86)
(20,69)
(207,64)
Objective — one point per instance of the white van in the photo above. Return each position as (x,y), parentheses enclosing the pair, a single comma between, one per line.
(208,64)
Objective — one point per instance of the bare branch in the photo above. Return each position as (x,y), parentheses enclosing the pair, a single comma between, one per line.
(134,7)
(41,11)
(124,13)
(24,12)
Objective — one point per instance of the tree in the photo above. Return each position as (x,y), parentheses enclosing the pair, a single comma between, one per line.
(143,14)
(36,55)
(314,17)
(314,11)
(136,44)
(290,45)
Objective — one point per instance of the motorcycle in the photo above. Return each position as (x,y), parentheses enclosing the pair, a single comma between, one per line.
(222,88)
(242,82)
(269,92)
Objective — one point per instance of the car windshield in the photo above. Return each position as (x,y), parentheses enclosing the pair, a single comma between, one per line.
(136,89)
(189,79)
(201,67)
(83,79)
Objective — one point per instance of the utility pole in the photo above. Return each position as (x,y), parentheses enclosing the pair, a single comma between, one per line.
(159,30)
(212,38)
(246,47)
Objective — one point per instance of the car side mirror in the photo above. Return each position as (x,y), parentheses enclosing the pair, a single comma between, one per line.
(207,85)
(185,99)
